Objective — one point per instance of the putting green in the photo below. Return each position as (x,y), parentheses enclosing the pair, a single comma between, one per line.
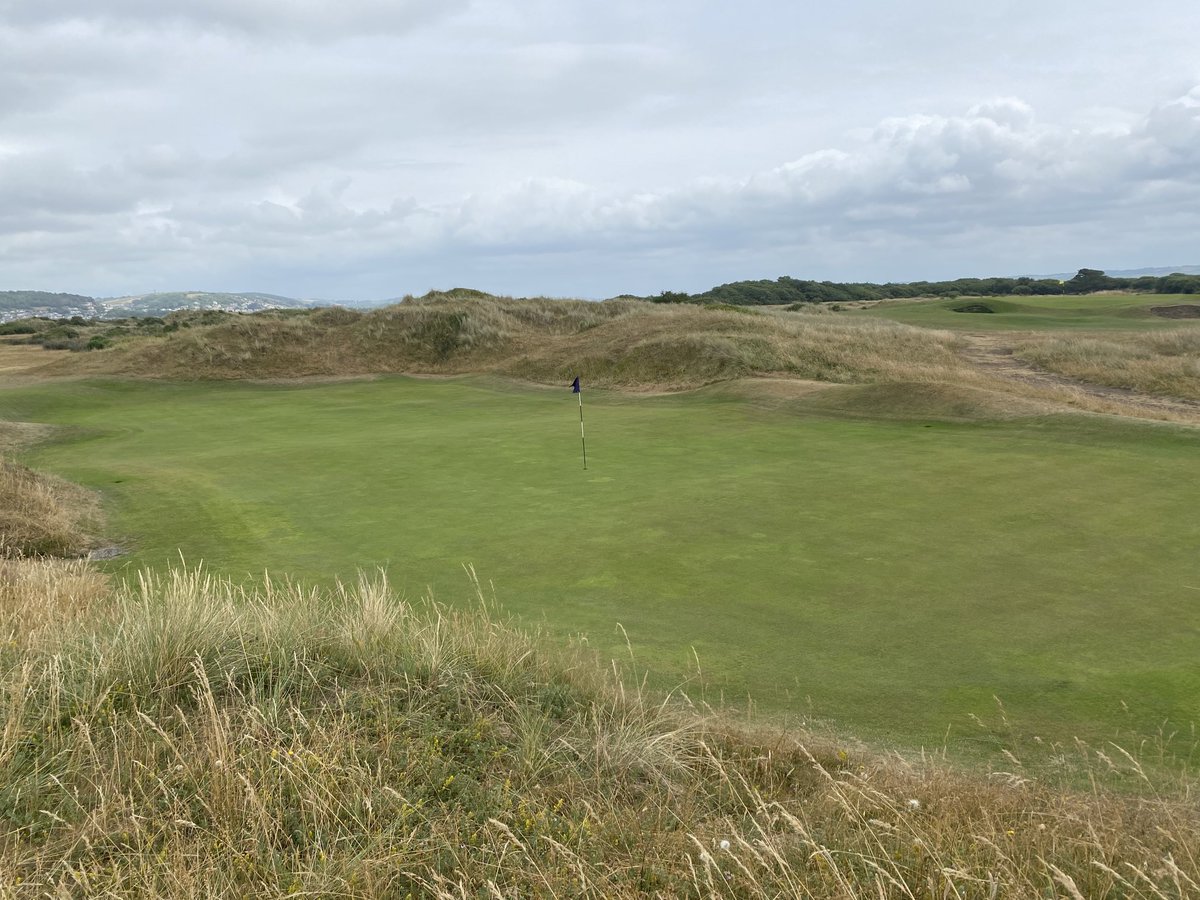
(1128,312)
(888,576)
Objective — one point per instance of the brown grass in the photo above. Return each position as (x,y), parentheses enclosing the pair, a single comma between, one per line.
(620,343)
(187,737)
(39,596)
(1164,363)
(16,359)
(41,515)
(623,344)
(16,436)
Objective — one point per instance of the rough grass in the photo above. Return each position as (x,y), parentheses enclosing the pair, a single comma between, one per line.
(42,515)
(39,596)
(621,343)
(186,737)
(1166,363)
(625,344)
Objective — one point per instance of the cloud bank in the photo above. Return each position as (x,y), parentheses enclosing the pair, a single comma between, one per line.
(367,149)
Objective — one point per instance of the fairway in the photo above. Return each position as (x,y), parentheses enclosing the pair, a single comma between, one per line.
(1108,312)
(888,577)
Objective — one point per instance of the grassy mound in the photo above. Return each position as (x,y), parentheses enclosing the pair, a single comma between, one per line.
(1160,362)
(41,515)
(624,343)
(187,737)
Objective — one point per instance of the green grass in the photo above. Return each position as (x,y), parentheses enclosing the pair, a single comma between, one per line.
(1088,311)
(890,577)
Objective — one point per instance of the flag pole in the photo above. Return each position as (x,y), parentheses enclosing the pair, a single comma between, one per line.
(582,438)
(576,389)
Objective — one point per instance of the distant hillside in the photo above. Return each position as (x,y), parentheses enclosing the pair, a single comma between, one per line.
(159,304)
(27,304)
(1158,272)
(24,304)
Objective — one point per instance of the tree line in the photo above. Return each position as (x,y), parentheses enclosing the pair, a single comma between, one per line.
(787,290)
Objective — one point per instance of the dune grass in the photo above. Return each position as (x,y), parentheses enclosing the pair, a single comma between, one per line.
(1163,362)
(42,515)
(623,343)
(1065,313)
(183,736)
(887,575)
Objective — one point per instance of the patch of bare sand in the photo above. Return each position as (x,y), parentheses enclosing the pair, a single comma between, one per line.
(1181,311)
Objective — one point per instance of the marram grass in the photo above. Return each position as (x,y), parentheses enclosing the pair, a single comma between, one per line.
(41,514)
(183,736)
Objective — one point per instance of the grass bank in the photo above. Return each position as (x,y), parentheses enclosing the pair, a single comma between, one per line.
(183,736)
(1165,362)
(622,343)
(41,515)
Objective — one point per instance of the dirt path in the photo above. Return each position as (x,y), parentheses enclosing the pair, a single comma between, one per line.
(992,353)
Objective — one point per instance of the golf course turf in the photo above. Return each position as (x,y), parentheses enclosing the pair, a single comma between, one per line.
(891,577)
(1101,312)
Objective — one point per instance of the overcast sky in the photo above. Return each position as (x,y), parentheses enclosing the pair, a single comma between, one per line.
(362,149)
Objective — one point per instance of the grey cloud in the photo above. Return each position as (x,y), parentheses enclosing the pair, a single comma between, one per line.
(935,180)
(53,187)
(935,172)
(1173,131)
(312,19)
(630,144)
(43,66)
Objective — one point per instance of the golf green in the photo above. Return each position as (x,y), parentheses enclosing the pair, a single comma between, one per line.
(888,577)
(1101,312)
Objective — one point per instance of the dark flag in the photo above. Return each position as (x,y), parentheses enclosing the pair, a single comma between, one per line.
(575,386)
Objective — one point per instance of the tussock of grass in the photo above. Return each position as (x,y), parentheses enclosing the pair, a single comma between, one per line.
(622,343)
(187,737)
(41,515)
(38,596)
(1166,363)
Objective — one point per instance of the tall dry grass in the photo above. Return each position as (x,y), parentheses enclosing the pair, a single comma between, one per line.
(621,343)
(188,737)
(39,596)
(41,514)
(1166,363)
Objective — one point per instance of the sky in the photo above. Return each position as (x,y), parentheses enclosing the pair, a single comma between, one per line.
(359,150)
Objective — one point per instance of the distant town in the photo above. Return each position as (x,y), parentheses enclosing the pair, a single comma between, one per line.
(16,305)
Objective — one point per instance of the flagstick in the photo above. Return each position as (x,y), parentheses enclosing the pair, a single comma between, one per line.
(581,436)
